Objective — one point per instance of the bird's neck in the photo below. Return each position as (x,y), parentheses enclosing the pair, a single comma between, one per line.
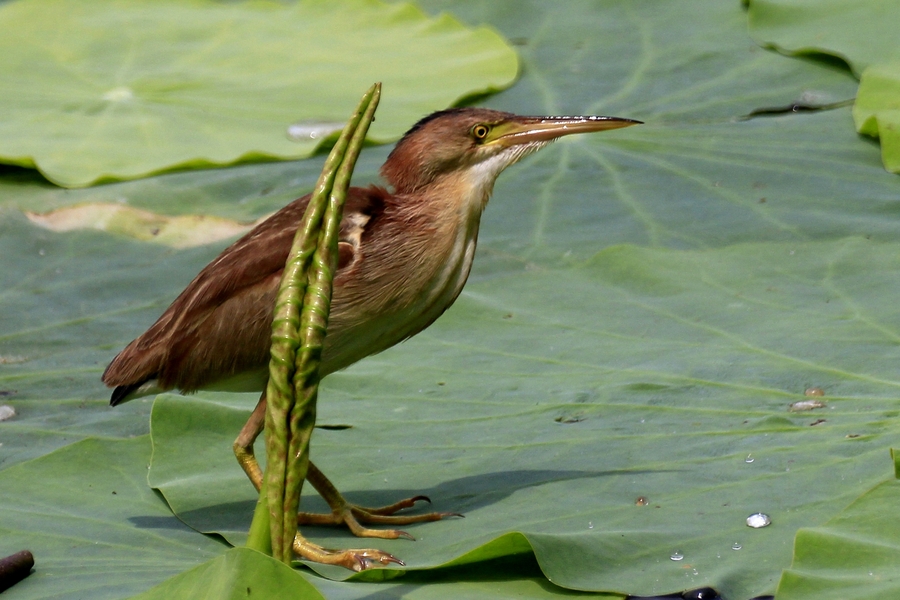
(449,210)
(463,194)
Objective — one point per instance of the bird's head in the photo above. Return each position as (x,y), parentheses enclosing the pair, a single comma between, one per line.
(478,142)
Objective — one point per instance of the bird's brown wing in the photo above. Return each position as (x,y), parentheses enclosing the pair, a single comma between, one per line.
(220,325)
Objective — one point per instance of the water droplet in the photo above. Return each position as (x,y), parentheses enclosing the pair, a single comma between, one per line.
(119,94)
(802,405)
(701,594)
(590,524)
(676,556)
(749,459)
(758,520)
(7,412)
(736,546)
(813,391)
(302,131)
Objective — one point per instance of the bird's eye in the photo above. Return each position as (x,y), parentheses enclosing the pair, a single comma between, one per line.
(479,132)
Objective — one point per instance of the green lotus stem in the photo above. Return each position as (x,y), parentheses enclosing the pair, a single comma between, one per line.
(298,312)
(260,537)
(314,317)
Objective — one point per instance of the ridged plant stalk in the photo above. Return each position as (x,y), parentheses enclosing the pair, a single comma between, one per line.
(298,335)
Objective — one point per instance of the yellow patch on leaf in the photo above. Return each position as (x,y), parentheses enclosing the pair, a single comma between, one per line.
(184,231)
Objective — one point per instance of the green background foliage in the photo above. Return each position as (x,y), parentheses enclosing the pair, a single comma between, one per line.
(115,89)
(645,306)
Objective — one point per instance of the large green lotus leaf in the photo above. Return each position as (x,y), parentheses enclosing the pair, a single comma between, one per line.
(694,177)
(108,90)
(95,528)
(864,34)
(677,391)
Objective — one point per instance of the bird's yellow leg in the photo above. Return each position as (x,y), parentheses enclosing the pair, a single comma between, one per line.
(243,445)
(342,512)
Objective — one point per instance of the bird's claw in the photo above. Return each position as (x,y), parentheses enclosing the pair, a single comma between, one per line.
(372,558)
(356,559)
(354,517)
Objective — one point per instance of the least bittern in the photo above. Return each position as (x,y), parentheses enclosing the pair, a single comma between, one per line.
(404,256)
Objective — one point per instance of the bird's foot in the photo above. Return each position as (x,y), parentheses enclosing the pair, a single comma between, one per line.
(357,559)
(344,513)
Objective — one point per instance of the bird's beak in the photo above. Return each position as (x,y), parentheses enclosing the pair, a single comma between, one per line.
(523,130)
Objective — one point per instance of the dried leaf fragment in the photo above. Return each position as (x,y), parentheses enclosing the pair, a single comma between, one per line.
(184,231)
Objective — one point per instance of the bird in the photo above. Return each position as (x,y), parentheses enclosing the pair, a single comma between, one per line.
(405,251)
